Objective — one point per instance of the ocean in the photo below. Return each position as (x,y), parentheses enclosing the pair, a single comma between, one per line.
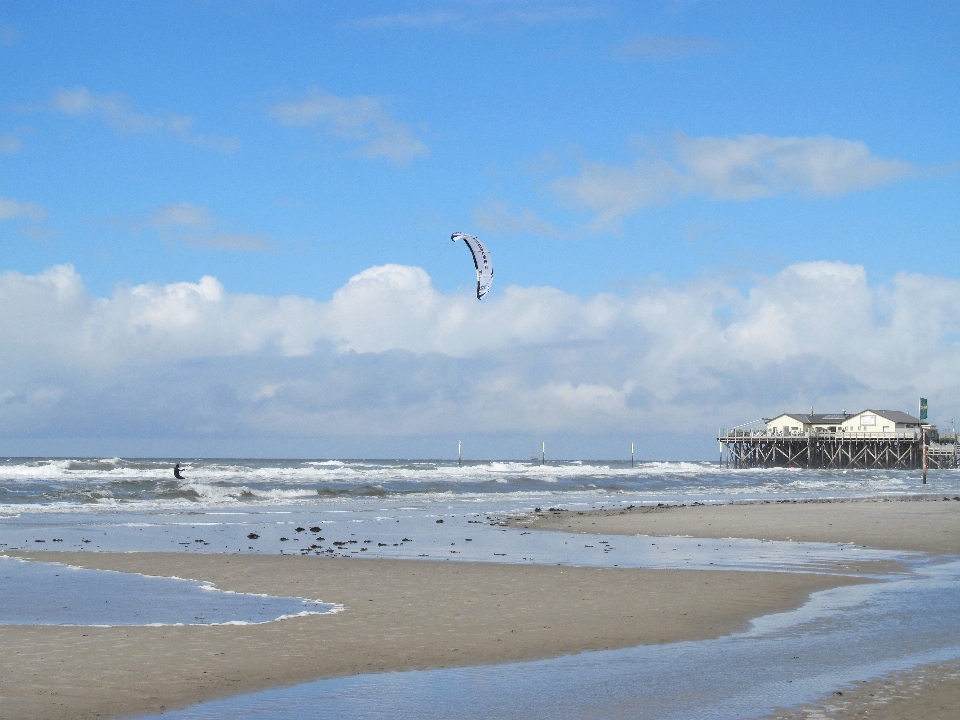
(90,484)
(137,504)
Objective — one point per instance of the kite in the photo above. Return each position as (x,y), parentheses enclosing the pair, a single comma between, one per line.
(481,261)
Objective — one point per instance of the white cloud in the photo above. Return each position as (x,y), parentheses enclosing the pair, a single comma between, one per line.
(181,214)
(118,112)
(660,47)
(497,217)
(360,119)
(752,166)
(8,35)
(414,20)
(9,144)
(388,355)
(196,226)
(746,167)
(11,209)
(517,13)
(241,242)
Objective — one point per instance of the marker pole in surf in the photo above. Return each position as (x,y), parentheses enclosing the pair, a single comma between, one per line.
(543,453)
(459,454)
(631,454)
(923,435)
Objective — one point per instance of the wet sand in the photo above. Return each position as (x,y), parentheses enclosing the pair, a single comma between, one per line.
(923,526)
(400,615)
(931,692)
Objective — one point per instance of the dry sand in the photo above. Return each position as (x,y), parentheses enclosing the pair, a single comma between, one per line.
(925,526)
(400,615)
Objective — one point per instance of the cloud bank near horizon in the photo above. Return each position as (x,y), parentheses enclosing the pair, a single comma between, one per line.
(390,356)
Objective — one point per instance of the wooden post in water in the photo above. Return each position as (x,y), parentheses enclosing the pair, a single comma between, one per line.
(459,453)
(543,453)
(631,454)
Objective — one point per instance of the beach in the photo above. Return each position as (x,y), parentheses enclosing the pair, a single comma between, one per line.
(931,525)
(929,692)
(453,578)
(399,615)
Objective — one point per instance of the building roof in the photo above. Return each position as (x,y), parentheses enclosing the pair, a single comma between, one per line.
(831,418)
(894,415)
(816,418)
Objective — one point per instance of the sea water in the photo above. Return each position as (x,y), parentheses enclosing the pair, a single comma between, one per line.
(75,484)
(42,593)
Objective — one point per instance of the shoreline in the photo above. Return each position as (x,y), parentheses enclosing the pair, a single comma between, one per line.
(399,615)
(922,524)
(930,526)
(408,614)
(930,692)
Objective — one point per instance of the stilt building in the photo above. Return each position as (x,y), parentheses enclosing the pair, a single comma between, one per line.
(882,439)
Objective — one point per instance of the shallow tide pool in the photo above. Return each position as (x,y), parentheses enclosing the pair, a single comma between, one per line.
(42,593)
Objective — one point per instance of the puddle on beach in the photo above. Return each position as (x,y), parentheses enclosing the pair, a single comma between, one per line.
(839,637)
(41,593)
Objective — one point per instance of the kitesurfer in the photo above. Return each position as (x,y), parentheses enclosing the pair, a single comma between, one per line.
(176,472)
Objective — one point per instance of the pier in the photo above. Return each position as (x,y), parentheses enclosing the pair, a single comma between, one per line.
(868,440)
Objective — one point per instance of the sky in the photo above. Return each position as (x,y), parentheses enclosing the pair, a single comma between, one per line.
(225,226)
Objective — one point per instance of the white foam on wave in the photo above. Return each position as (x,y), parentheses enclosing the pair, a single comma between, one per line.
(94,485)
(335,471)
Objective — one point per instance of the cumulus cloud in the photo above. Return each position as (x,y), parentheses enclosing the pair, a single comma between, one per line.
(660,47)
(361,119)
(745,167)
(119,113)
(11,209)
(389,355)
(196,226)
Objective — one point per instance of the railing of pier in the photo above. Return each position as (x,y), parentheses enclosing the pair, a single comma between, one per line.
(736,434)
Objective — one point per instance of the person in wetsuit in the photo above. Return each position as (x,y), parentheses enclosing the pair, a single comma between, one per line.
(176,472)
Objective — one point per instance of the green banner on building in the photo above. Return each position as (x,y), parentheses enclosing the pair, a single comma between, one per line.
(923,409)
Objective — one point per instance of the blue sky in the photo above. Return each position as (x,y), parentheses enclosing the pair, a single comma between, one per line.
(610,154)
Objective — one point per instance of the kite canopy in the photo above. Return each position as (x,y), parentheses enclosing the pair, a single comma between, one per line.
(481,261)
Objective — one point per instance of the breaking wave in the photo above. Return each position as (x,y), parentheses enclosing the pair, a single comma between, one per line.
(100,482)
